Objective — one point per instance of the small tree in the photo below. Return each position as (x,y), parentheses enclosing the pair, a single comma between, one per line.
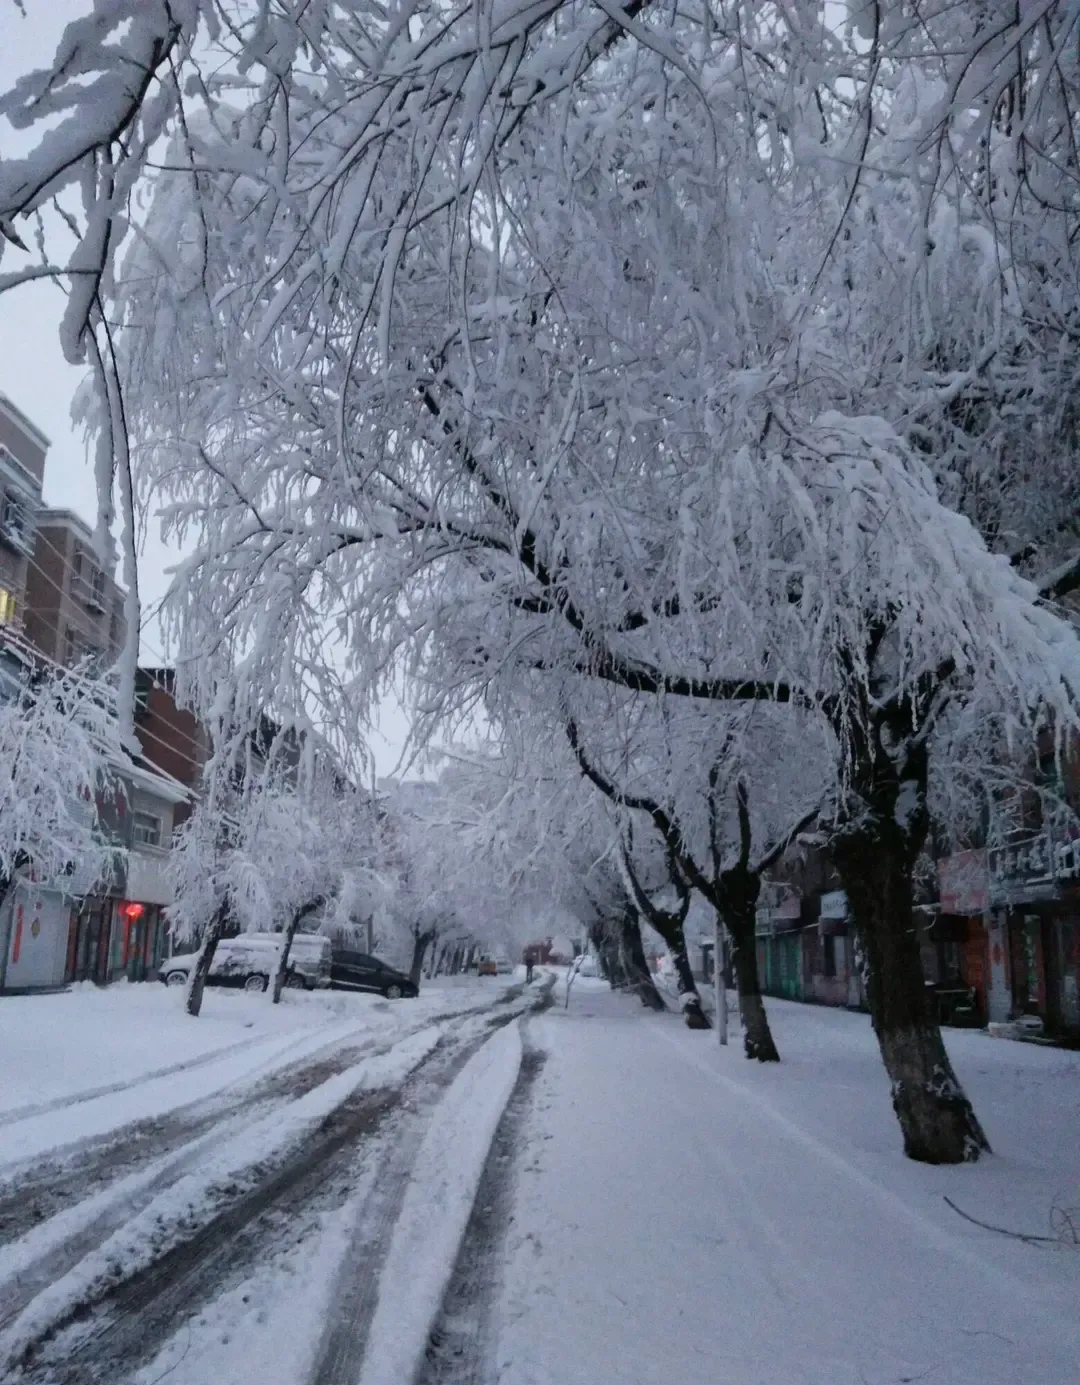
(59,744)
(266,854)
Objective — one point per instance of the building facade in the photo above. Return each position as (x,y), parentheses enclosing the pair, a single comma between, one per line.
(74,608)
(22,470)
(118,931)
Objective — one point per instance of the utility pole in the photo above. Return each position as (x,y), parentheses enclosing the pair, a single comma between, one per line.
(719,988)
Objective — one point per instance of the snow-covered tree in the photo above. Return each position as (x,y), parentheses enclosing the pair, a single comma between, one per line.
(726,797)
(549,371)
(59,749)
(267,853)
(737,552)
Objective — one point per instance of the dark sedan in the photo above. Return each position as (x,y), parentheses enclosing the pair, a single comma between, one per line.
(358,971)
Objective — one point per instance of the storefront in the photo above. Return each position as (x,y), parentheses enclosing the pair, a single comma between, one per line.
(831,963)
(779,949)
(34,931)
(1036,909)
(89,943)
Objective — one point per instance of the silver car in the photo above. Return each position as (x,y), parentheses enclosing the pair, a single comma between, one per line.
(250,960)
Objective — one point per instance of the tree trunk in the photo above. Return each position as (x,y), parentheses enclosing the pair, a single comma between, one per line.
(201,970)
(671,930)
(7,885)
(636,969)
(758,1041)
(938,1123)
(297,919)
(420,947)
(607,953)
(739,894)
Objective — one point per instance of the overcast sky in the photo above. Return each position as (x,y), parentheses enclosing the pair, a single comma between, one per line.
(35,376)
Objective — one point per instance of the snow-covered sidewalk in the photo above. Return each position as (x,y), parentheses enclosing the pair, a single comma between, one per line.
(682,1215)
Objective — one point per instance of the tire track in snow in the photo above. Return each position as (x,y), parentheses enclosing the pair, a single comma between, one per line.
(341,1355)
(109,1338)
(341,1358)
(22,1113)
(34,1191)
(130,1171)
(460,1350)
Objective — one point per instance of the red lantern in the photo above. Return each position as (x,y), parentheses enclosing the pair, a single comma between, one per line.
(133,911)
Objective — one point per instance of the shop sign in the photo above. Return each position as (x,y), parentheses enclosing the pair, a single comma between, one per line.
(964,883)
(834,905)
(1025,872)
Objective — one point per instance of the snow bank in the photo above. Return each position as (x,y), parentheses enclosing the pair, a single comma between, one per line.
(436,1210)
(193,1200)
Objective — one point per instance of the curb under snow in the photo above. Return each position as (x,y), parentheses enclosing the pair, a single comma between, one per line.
(436,1209)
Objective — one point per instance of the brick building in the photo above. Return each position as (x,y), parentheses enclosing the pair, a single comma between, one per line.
(74,608)
(171,738)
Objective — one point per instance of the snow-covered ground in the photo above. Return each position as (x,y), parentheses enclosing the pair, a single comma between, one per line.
(193,1204)
(654,1208)
(683,1215)
(79,1064)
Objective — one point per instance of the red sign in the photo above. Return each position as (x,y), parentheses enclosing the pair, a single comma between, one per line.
(963,883)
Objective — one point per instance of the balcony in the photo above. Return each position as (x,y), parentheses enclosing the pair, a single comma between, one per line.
(88,588)
(17,522)
(148,875)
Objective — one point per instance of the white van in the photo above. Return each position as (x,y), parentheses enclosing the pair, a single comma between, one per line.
(250,961)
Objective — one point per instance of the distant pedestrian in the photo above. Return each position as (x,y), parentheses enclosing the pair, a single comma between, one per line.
(530,962)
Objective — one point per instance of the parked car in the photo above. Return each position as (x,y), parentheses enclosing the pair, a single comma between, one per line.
(250,960)
(359,971)
(504,966)
(487,966)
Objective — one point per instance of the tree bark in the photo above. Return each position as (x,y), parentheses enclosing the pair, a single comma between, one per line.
(420,947)
(201,970)
(297,919)
(874,860)
(739,890)
(635,968)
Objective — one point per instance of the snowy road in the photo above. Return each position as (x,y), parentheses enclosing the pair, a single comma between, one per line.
(115,1242)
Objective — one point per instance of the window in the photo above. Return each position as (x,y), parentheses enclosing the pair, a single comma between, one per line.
(88,580)
(116,620)
(146,829)
(15,522)
(7,607)
(830,954)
